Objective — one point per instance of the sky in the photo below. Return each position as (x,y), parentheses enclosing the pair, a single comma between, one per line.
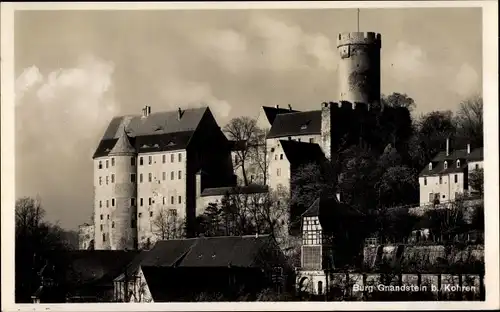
(75,70)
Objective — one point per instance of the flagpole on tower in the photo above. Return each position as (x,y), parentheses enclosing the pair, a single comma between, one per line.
(358,20)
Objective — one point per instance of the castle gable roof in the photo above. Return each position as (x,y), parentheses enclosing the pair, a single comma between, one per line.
(461,154)
(155,127)
(301,153)
(122,145)
(298,123)
(272,112)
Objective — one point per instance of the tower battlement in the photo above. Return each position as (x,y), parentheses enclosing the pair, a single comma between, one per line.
(346,105)
(359,38)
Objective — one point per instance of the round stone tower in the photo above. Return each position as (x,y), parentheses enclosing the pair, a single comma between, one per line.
(123,222)
(359,67)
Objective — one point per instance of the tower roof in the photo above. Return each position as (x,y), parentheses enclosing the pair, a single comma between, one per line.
(122,145)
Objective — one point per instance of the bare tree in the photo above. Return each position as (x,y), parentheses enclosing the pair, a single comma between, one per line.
(244,130)
(167,225)
(469,119)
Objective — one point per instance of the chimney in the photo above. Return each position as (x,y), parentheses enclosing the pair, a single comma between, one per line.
(277,106)
(146,111)
(149,110)
(468,149)
(179,114)
(290,106)
(448,147)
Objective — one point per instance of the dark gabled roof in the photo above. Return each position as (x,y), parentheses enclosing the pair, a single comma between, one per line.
(301,153)
(150,143)
(153,127)
(93,266)
(313,210)
(236,251)
(232,190)
(272,112)
(441,157)
(299,123)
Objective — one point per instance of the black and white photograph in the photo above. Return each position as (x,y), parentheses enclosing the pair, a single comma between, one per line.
(285,153)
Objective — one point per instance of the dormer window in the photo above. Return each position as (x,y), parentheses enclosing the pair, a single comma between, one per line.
(458,163)
(303,127)
(430,166)
(445,165)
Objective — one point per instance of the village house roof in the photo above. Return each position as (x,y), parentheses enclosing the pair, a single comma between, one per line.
(272,112)
(293,124)
(455,155)
(159,131)
(301,153)
(233,190)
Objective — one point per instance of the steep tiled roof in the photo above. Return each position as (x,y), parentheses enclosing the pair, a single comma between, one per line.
(237,251)
(292,124)
(441,157)
(150,143)
(122,145)
(230,190)
(301,153)
(156,126)
(272,112)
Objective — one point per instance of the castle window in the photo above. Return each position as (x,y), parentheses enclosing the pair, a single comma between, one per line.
(278,172)
(164,176)
(103,237)
(112,162)
(132,201)
(112,202)
(112,178)
(456,178)
(172,158)
(107,202)
(150,177)
(275,156)
(298,139)
(445,165)
(101,227)
(425,180)
(150,160)
(113,224)
(172,212)
(107,180)
(458,163)
(281,156)
(320,288)
(172,174)
(107,164)
(440,180)
(171,200)
(477,166)
(141,201)
(150,214)
(150,201)
(140,214)
(132,161)
(140,178)
(100,165)
(100,204)
(102,217)
(132,177)
(107,217)
(430,166)
(179,175)
(179,157)
(180,199)
(100,180)
(141,161)
(311,140)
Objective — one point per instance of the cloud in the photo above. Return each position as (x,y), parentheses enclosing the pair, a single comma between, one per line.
(191,94)
(269,44)
(30,77)
(409,61)
(466,80)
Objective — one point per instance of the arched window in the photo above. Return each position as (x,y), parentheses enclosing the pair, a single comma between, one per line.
(320,288)
(445,165)
(430,166)
(458,163)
